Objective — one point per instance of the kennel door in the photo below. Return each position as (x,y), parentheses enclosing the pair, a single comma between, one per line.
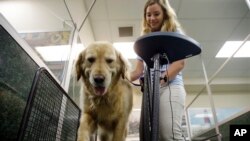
(50,113)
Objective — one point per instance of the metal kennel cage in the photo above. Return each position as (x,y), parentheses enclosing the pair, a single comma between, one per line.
(33,106)
(50,113)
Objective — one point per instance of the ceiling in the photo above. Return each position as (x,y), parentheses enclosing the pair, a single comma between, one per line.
(210,22)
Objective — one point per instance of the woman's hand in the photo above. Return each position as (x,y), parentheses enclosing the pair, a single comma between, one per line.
(162,82)
(174,69)
(138,71)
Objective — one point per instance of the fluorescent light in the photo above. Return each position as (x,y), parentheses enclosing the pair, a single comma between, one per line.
(58,53)
(248,3)
(126,48)
(61,52)
(230,47)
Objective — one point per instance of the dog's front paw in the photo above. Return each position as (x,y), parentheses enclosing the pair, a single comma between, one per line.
(83,139)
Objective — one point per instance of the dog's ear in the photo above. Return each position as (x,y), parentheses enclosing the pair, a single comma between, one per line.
(78,65)
(124,65)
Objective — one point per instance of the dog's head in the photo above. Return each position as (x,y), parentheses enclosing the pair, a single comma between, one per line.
(100,66)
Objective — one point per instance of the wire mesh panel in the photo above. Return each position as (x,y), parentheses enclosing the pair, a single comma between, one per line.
(50,114)
(17,70)
(71,121)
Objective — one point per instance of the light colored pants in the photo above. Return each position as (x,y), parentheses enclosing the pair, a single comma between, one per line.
(170,114)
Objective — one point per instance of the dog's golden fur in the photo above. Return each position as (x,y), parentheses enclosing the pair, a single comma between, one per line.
(107,94)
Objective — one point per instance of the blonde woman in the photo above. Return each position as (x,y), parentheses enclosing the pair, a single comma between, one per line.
(160,16)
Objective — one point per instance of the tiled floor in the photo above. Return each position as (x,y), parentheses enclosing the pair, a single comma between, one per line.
(132,138)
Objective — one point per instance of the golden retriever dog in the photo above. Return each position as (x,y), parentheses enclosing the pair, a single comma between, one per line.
(108,99)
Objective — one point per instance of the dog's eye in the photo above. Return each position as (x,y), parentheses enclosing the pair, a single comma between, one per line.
(109,61)
(91,59)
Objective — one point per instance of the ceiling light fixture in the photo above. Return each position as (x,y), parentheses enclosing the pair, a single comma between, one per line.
(126,48)
(248,3)
(229,48)
(58,53)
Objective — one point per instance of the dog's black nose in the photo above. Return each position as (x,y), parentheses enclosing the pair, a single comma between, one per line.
(99,79)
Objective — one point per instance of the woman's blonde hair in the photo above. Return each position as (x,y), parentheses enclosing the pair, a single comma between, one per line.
(170,23)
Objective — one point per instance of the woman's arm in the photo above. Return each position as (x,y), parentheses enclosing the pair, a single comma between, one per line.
(174,69)
(138,71)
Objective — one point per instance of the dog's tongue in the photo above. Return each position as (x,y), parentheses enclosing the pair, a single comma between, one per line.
(99,90)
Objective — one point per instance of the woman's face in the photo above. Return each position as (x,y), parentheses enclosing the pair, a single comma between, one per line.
(154,17)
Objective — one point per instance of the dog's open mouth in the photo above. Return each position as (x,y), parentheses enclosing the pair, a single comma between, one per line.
(100,90)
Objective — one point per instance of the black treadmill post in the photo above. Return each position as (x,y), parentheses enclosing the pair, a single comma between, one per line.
(175,47)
